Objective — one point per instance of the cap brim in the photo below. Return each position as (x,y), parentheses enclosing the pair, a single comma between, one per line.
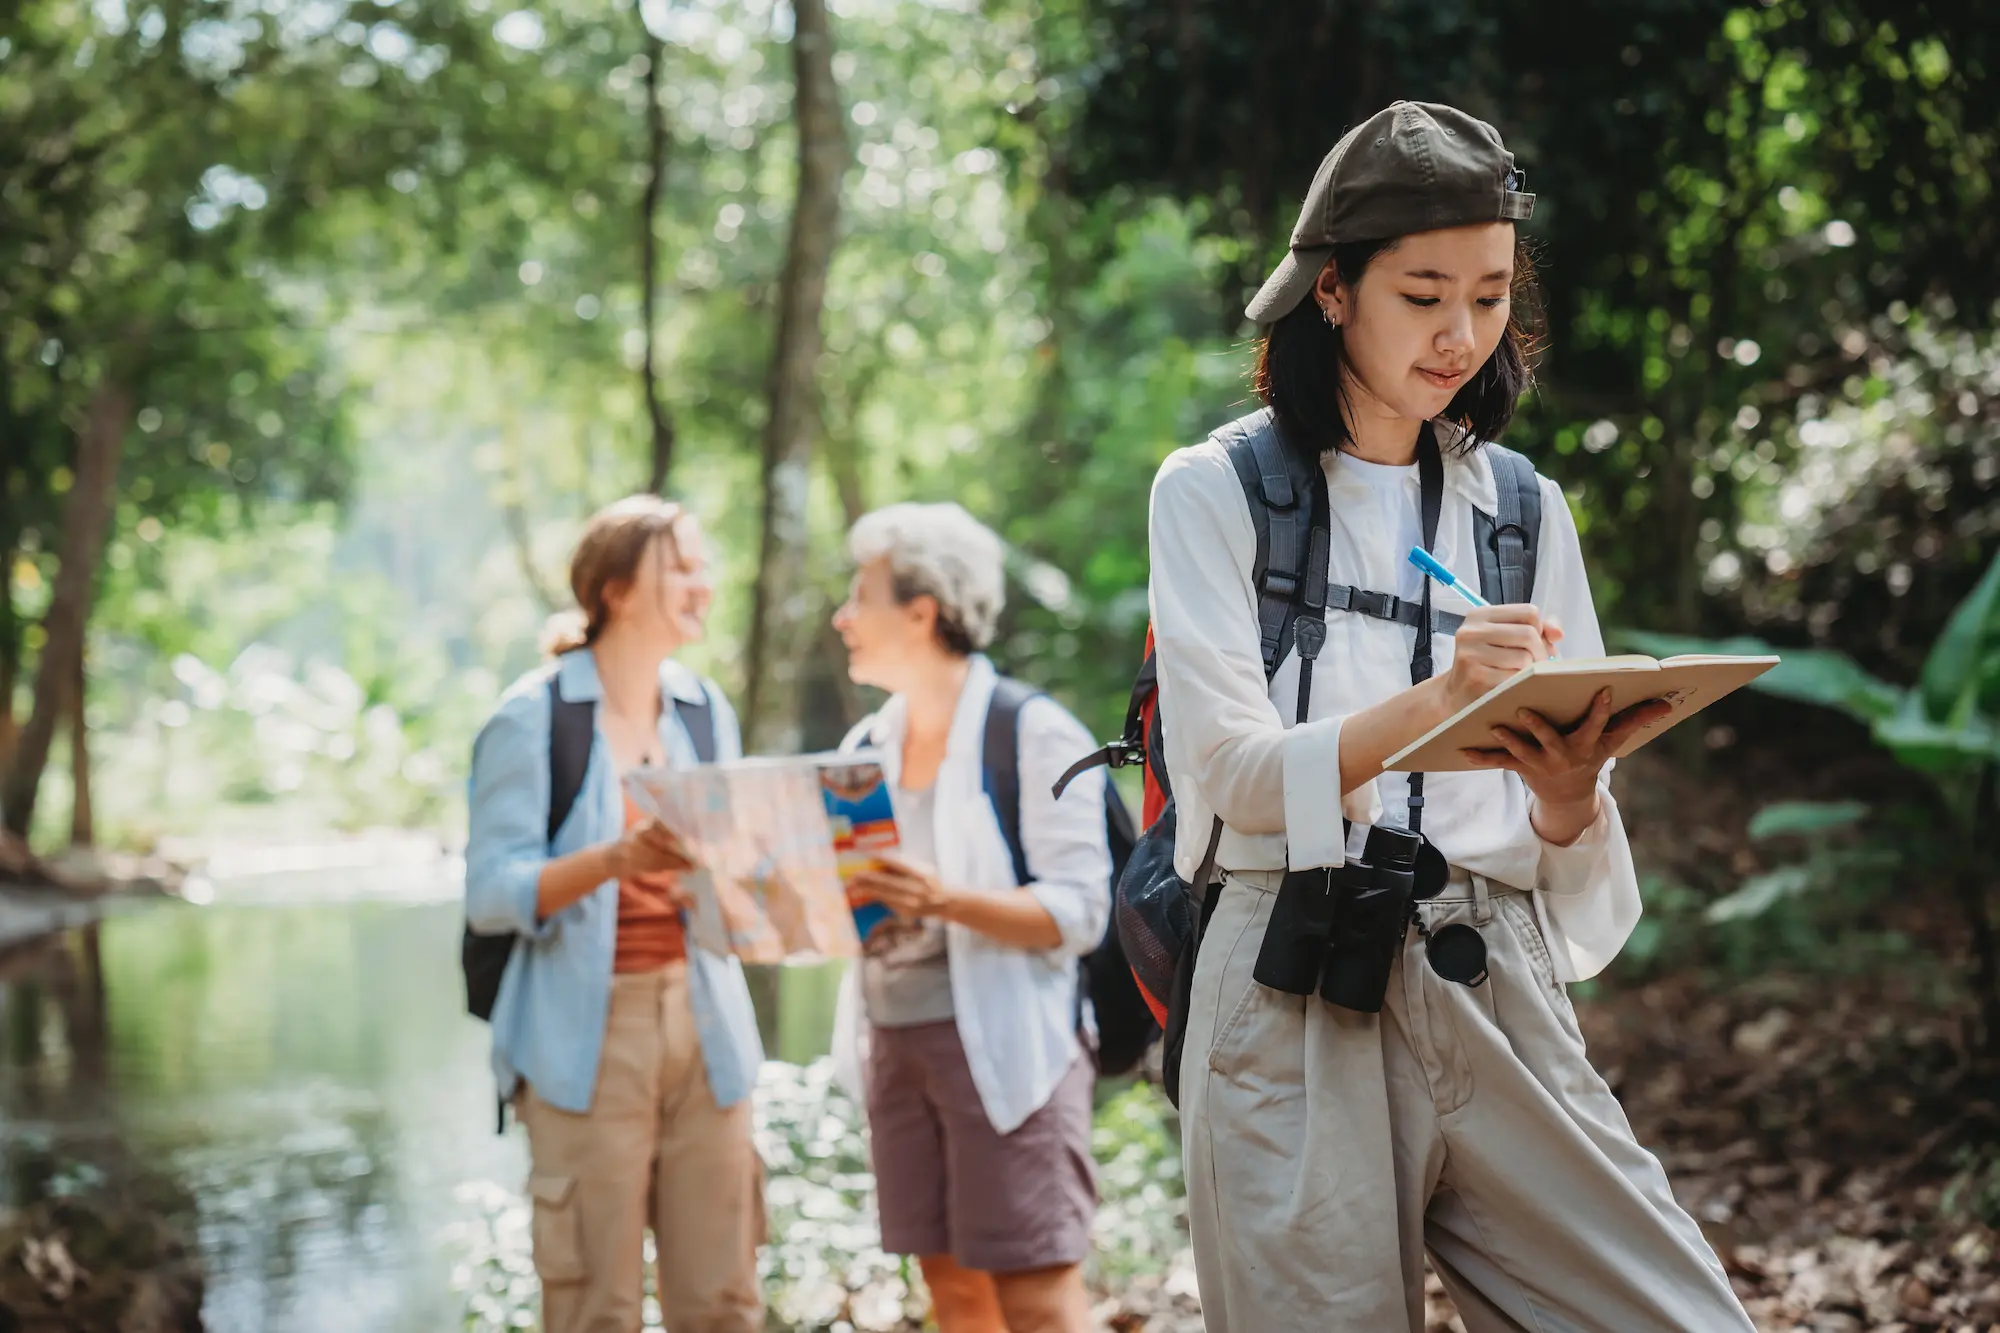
(1288,284)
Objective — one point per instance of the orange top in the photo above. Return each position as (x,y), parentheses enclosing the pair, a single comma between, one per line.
(650,934)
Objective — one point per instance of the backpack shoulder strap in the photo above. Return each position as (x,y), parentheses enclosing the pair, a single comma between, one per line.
(1000,764)
(1278,488)
(572,727)
(699,719)
(1508,541)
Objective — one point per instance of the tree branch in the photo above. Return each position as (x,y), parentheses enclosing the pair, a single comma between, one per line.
(649,203)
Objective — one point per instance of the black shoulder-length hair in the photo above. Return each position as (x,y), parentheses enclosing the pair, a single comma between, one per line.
(1301,360)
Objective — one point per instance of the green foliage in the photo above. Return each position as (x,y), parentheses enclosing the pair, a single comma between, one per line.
(1961,678)
(396,263)
(1804,818)
(1142,1222)
(1828,864)
(1944,727)
(1730,198)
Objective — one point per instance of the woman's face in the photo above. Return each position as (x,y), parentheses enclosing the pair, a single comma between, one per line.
(1424,318)
(884,637)
(668,596)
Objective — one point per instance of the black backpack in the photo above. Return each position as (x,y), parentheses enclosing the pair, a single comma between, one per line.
(1125,1023)
(572,727)
(1125,1026)
(1159,917)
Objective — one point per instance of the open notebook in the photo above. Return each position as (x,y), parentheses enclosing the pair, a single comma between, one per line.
(1561,689)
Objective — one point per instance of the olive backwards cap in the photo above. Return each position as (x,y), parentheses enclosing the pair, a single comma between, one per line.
(1411,167)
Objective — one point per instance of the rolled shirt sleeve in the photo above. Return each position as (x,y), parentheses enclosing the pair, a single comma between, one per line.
(507,841)
(1069,861)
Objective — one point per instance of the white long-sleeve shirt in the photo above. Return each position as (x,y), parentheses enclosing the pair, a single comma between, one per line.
(1231,744)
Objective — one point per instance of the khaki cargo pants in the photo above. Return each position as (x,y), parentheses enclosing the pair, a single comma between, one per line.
(653,1149)
(1328,1151)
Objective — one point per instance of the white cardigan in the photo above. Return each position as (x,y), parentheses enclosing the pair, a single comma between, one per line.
(1015,1008)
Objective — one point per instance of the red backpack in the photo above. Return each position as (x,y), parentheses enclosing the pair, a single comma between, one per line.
(1161,917)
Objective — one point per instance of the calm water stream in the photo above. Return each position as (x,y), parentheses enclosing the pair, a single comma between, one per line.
(307,1071)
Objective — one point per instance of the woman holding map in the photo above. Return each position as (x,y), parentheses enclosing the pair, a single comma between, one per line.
(962,1020)
(627,1051)
(1380,1063)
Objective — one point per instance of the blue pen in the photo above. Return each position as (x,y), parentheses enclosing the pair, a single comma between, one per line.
(1425,561)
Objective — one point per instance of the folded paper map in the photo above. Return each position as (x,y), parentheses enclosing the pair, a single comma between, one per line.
(778,840)
(1561,689)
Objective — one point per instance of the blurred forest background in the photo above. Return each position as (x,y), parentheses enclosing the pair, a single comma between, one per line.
(323,324)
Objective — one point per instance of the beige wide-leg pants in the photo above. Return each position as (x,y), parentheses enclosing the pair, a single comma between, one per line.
(1328,1151)
(654,1149)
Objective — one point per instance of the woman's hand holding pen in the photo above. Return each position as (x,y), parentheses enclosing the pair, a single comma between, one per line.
(1492,646)
(1561,767)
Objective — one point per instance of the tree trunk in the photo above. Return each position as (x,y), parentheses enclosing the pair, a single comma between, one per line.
(10,657)
(843,461)
(649,246)
(784,601)
(82,824)
(86,522)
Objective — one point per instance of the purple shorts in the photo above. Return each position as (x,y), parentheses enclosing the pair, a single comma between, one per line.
(948,1183)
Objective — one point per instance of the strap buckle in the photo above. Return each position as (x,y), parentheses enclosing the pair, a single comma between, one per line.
(1122,753)
(1280,583)
(1378,605)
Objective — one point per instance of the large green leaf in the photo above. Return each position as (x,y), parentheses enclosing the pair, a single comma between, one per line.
(1800,818)
(1809,675)
(1937,747)
(1952,672)
(1760,893)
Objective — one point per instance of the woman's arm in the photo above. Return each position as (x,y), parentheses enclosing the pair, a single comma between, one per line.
(1069,860)
(506,847)
(1066,903)
(1006,916)
(908,889)
(512,884)
(643,850)
(1258,775)
(1492,645)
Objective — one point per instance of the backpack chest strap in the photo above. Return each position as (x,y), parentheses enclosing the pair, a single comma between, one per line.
(1387,606)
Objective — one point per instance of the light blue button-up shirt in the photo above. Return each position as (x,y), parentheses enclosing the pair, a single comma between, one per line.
(548,1021)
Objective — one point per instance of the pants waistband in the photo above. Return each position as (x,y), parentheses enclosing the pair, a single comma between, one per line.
(1462,887)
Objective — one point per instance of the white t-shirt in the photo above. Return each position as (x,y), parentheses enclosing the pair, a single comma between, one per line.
(1398,495)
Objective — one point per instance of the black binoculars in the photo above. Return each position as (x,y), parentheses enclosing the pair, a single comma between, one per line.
(1337,931)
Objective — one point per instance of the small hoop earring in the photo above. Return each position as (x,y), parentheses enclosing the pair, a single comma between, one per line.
(1327,315)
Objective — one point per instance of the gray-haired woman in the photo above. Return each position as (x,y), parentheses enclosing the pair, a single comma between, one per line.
(977,1085)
